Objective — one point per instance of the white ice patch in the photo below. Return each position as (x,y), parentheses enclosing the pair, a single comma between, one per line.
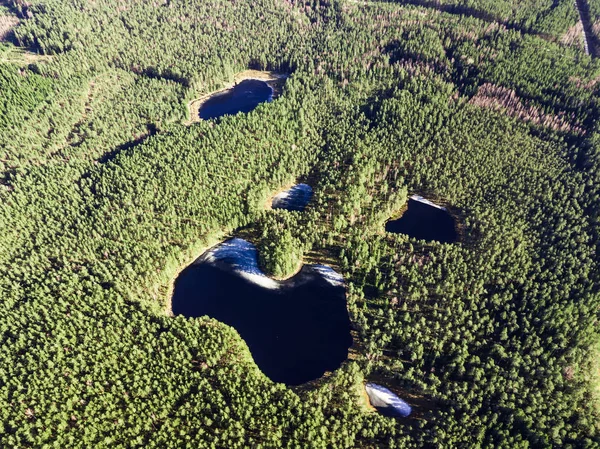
(383,399)
(420,199)
(329,274)
(260,279)
(241,256)
(295,198)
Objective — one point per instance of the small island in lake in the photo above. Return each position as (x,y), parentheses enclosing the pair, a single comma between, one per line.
(296,329)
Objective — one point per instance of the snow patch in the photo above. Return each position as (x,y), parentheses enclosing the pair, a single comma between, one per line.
(241,256)
(387,402)
(329,274)
(420,199)
(295,198)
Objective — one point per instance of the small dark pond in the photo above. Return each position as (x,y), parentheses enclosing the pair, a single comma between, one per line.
(243,97)
(424,220)
(295,329)
(295,198)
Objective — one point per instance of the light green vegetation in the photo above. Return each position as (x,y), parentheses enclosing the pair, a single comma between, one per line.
(105,191)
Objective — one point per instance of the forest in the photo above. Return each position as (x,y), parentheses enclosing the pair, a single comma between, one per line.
(108,190)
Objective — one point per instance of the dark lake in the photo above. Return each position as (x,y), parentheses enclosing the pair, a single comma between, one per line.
(424,221)
(243,97)
(295,329)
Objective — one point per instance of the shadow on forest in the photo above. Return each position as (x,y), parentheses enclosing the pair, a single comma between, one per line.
(22,12)
(152,72)
(150,131)
(588,27)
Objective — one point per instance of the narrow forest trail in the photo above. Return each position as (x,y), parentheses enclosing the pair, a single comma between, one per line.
(589,40)
(87,109)
(21,57)
(76,135)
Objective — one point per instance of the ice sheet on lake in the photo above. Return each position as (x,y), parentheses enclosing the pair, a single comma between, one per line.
(387,402)
(329,274)
(295,198)
(420,199)
(242,257)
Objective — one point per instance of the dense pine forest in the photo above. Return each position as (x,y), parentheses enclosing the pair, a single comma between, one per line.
(108,190)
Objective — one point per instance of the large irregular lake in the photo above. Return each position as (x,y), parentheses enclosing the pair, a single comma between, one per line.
(424,220)
(296,329)
(243,97)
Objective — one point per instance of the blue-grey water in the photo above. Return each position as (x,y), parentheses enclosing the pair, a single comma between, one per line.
(295,198)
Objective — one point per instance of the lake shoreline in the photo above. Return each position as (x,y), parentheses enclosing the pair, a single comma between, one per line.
(308,269)
(273,79)
(269,201)
(200,256)
(170,286)
(296,330)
